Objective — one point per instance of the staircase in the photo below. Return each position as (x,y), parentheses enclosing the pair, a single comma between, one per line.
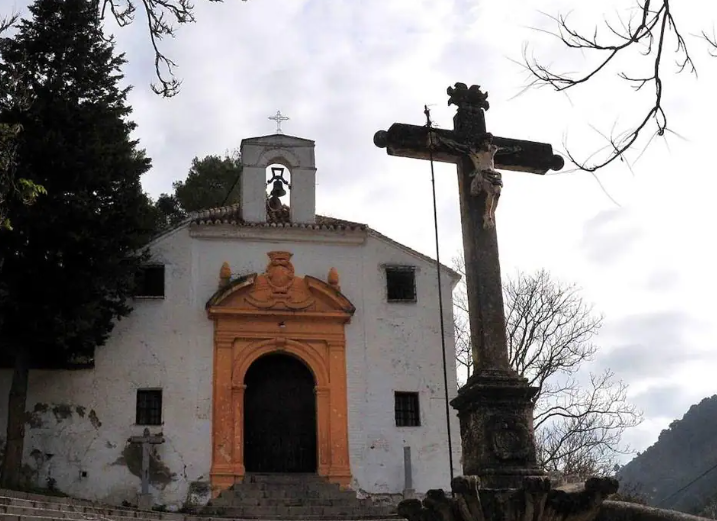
(21,506)
(297,496)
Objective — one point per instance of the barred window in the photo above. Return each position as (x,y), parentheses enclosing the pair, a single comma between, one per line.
(149,407)
(401,283)
(149,282)
(407,413)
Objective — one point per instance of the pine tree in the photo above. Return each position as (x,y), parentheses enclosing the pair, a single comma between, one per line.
(211,182)
(70,261)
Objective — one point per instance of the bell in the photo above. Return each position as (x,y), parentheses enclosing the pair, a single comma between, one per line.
(278,190)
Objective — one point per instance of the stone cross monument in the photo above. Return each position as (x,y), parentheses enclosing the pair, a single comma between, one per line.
(144,500)
(495,408)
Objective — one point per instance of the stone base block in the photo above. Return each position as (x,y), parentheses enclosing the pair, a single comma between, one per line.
(145,501)
(496,419)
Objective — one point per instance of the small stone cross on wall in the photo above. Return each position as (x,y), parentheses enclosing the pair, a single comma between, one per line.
(146,440)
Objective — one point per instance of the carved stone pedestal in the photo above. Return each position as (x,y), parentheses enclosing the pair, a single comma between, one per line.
(533,501)
(503,481)
(496,416)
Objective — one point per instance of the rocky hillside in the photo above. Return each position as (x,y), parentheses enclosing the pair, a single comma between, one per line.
(679,471)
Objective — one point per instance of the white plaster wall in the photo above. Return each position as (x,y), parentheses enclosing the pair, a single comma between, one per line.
(158,345)
(403,353)
(168,344)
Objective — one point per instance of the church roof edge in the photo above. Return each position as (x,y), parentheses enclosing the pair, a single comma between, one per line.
(281,219)
(453,273)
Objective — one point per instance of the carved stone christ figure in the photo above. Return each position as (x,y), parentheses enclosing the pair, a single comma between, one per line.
(485,178)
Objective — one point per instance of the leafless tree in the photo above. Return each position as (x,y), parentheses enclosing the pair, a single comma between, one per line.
(579,424)
(648,32)
(160,17)
(461,328)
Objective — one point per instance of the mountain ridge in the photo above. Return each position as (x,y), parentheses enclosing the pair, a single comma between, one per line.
(679,471)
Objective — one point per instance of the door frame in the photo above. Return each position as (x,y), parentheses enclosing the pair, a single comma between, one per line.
(305,317)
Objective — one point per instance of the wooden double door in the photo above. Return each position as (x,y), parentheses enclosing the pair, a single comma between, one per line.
(280,427)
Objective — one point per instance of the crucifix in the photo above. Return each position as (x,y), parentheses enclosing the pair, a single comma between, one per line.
(478,155)
(278,117)
(495,406)
(146,440)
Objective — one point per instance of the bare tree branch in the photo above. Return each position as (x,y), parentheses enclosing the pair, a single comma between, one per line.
(160,16)
(550,330)
(647,34)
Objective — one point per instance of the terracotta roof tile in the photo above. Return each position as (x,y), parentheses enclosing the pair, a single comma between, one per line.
(280,218)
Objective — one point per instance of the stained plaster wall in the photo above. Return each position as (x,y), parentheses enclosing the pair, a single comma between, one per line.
(79,422)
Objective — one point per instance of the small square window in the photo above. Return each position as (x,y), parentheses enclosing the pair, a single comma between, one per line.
(149,407)
(149,282)
(401,283)
(407,414)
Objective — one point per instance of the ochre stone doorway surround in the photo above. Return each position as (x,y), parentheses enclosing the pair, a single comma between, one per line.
(277,311)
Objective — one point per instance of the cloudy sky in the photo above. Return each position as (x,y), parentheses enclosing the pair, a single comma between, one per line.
(341,70)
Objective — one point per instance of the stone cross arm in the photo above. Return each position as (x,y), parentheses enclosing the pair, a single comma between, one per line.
(147,438)
(514,154)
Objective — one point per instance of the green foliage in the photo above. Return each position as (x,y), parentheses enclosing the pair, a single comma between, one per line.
(10,186)
(68,265)
(212,181)
(680,470)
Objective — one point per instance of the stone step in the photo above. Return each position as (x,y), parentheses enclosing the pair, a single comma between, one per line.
(305,498)
(283,478)
(35,512)
(11,517)
(50,504)
(297,496)
(251,493)
(297,485)
(71,515)
(52,516)
(261,512)
(28,514)
(76,511)
(361,517)
(298,501)
(314,502)
(317,502)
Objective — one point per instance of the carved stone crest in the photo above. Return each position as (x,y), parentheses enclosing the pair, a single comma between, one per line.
(510,437)
(277,287)
(280,271)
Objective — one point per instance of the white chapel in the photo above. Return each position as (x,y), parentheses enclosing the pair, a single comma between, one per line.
(265,338)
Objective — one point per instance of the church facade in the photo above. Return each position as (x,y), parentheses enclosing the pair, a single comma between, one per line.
(264,339)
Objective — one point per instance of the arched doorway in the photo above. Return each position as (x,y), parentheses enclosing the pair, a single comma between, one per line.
(279,416)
